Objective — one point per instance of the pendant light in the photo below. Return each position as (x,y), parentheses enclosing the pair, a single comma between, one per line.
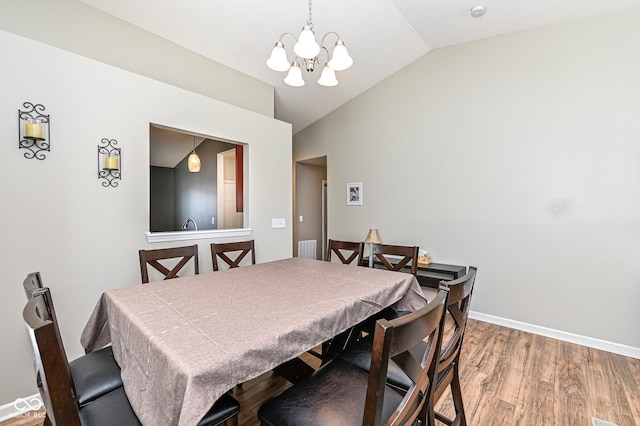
(194,161)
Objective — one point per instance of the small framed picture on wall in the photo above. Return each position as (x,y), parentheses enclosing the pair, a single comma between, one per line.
(354,194)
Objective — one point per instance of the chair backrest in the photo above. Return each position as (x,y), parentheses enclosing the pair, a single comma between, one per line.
(460,291)
(342,249)
(52,368)
(152,257)
(31,283)
(393,340)
(240,248)
(385,254)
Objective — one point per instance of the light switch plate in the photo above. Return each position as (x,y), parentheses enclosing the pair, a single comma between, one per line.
(278,222)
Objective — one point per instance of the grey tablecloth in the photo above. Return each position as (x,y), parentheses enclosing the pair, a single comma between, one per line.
(182,343)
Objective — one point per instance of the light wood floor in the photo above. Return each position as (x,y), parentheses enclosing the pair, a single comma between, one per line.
(509,377)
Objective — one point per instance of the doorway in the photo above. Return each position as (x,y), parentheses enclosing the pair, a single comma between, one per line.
(228,216)
(310,205)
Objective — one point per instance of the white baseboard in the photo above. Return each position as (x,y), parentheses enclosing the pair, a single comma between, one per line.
(21,406)
(604,345)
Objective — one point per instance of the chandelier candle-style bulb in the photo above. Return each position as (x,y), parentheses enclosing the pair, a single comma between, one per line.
(309,52)
(278,59)
(328,77)
(294,78)
(307,47)
(340,60)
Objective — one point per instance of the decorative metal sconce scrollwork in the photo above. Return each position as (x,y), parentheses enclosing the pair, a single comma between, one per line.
(109,162)
(33,131)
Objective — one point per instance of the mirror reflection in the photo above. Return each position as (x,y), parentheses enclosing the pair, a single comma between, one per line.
(185,197)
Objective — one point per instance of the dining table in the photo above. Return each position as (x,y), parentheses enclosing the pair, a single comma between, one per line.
(182,343)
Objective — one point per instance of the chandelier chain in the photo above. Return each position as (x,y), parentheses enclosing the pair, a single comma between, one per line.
(309,21)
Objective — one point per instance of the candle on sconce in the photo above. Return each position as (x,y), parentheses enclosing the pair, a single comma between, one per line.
(33,130)
(111,163)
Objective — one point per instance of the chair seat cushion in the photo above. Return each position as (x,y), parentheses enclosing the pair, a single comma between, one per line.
(359,355)
(334,395)
(224,408)
(95,374)
(109,410)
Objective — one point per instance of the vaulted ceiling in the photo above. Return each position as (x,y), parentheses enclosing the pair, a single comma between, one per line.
(382,36)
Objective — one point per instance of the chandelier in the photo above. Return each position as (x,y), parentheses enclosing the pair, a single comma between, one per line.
(308,52)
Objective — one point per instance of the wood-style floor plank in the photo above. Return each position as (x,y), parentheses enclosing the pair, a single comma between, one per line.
(508,377)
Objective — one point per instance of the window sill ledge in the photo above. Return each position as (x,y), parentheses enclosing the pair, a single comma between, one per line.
(160,237)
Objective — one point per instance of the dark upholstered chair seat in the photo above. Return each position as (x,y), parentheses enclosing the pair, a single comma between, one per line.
(335,395)
(112,409)
(95,374)
(225,408)
(359,355)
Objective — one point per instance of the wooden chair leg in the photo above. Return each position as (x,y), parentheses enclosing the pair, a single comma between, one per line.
(456,392)
(456,395)
(427,415)
(233,421)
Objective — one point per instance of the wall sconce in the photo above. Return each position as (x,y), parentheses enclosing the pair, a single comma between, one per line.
(372,238)
(109,162)
(33,131)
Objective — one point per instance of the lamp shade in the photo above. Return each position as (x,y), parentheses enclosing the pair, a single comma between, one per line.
(373,237)
(328,77)
(294,78)
(278,59)
(307,47)
(194,162)
(340,60)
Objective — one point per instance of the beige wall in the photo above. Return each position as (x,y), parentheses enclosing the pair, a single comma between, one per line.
(79,28)
(82,237)
(518,154)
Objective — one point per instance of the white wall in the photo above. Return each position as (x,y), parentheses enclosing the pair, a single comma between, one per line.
(518,154)
(84,238)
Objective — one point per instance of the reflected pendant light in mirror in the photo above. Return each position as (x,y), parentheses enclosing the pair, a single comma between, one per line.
(194,159)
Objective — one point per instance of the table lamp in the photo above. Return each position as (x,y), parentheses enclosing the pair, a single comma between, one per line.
(372,238)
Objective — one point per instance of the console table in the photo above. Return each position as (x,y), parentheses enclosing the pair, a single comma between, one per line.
(431,274)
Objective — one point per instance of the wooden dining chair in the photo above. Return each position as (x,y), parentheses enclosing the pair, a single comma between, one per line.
(31,283)
(340,393)
(460,292)
(53,375)
(346,251)
(232,253)
(153,258)
(57,387)
(94,374)
(395,258)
